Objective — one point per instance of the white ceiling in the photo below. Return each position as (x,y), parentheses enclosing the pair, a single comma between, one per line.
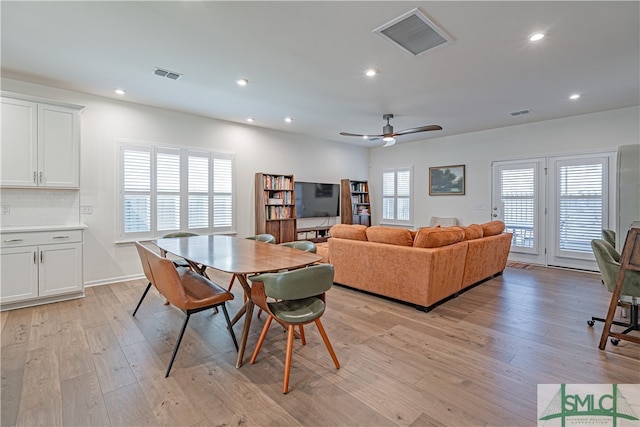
(307,60)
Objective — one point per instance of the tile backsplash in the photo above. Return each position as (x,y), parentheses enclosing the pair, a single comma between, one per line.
(28,207)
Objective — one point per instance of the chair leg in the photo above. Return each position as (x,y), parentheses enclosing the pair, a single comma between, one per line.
(144,294)
(263,335)
(325,338)
(233,279)
(302,338)
(287,360)
(226,316)
(175,350)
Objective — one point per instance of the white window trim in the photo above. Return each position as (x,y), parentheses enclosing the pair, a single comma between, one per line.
(404,223)
(153,147)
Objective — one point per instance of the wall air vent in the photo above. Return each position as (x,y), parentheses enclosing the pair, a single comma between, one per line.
(414,33)
(166,73)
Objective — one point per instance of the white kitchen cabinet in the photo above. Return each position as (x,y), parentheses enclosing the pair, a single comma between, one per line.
(40,144)
(40,266)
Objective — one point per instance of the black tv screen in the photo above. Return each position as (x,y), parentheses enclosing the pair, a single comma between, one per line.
(315,200)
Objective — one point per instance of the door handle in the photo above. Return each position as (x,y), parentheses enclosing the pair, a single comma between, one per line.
(495,215)
(13,240)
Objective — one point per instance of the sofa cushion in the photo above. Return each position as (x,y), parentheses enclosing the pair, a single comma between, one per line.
(472,231)
(492,228)
(436,237)
(389,235)
(349,231)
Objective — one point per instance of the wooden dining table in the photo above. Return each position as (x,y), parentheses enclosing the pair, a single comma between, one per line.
(238,256)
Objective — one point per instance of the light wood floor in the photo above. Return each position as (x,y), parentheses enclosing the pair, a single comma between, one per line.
(475,360)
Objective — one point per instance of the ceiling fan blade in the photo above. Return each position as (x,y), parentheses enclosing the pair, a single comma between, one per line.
(370,137)
(418,129)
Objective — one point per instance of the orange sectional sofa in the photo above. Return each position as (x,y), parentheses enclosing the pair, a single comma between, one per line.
(422,267)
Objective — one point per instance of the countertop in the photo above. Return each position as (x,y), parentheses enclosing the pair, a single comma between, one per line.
(33,228)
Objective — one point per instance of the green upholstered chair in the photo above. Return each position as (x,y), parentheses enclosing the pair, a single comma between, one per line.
(300,299)
(609,236)
(266,238)
(302,245)
(178,262)
(190,292)
(608,260)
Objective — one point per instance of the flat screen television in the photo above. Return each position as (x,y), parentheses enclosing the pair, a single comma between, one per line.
(316,200)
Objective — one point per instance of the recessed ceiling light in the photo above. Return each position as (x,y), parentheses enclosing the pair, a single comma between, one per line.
(371,72)
(535,37)
(120,91)
(574,96)
(251,119)
(288,119)
(242,82)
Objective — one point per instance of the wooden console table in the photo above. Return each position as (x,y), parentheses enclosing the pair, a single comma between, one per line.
(629,260)
(320,234)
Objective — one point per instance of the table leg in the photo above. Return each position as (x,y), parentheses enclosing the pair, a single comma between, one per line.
(248,314)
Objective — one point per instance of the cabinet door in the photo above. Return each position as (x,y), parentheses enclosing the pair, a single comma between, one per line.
(60,269)
(19,274)
(58,146)
(19,164)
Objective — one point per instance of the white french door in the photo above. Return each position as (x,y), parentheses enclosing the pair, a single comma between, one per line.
(579,194)
(554,207)
(519,200)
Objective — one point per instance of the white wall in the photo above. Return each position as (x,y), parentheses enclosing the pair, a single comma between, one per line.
(578,134)
(256,150)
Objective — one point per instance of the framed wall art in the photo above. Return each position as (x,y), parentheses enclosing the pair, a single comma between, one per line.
(446,181)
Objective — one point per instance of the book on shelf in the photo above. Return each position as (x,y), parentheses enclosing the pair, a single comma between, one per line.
(275,182)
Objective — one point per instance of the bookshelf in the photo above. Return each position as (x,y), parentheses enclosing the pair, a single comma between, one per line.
(276,206)
(355,207)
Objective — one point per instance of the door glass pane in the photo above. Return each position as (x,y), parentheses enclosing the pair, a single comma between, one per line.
(517,194)
(580,206)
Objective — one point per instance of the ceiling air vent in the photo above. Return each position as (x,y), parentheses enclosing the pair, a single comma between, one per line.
(166,73)
(414,33)
(519,113)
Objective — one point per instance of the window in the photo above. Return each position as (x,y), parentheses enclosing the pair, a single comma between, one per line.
(580,203)
(166,189)
(396,196)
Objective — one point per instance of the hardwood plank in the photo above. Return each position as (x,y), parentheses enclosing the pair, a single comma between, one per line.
(111,365)
(127,406)
(40,399)
(44,330)
(12,362)
(168,402)
(82,402)
(16,327)
(75,355)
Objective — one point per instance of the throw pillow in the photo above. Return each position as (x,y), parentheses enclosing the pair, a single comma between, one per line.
(389,235)
(437,237)
(492,228)
(472,231)
(349,231)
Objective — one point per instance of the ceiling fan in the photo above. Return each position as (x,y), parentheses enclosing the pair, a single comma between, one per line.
(388,135)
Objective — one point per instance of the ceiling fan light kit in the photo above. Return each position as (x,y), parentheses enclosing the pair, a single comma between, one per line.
(388,135)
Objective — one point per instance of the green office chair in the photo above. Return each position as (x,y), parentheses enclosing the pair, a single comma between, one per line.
(608,260)
(609,236)
(300,296)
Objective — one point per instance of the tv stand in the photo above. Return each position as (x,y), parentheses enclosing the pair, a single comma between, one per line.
(320,234)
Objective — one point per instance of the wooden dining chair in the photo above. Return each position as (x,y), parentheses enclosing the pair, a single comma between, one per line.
(190,292)
(300,299)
